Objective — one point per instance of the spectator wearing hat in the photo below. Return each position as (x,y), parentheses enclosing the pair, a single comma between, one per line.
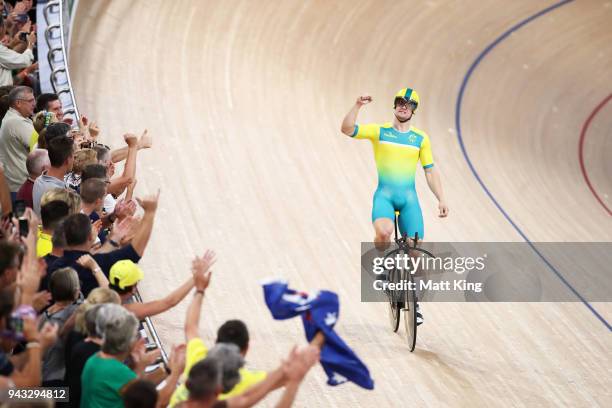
(36,163)
(125,275)
(79,240)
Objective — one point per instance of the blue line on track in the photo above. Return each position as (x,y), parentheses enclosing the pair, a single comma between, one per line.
(464,83)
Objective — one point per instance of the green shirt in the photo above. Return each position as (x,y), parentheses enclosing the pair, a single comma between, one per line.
(101,381)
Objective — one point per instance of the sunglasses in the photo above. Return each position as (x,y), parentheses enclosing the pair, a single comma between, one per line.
(403,103)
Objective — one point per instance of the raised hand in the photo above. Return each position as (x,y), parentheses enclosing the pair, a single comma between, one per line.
(41,300)
(94,130)
(177,358)
(125,209)
(363,100)
(121,228)
(87,261)
(200,267)
(145,141)
(299,361)
(96,226)
(149,203)
(48,335)
(131,139)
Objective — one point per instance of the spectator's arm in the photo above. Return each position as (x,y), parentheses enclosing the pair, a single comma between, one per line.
(140,241)
(129,171)
(156,376)
(87,262)
(30,374)
(118,155)
(201,275)
(295,368)
(29,276)
(176,366)
(10,59)
(118,185)
(148,309)
(257,392)
(5,194)
(145,142)
(192,321)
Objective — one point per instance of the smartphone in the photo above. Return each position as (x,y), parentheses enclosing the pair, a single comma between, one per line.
(22,18)
(24,228)
(23,36)
(15,325)
(19,208)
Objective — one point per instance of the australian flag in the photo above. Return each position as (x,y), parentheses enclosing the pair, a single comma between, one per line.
(319,312)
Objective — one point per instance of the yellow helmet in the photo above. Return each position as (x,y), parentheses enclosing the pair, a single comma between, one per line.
(408,94)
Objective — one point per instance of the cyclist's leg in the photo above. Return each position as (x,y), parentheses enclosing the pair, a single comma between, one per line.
(383,218)
(411,219)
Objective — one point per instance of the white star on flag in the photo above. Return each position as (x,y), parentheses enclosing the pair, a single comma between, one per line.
(330,319)
(338,378)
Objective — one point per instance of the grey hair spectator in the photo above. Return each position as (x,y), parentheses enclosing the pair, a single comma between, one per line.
(230,362)
(16,136)
(18,93)
(37,162)
(204,381)
(118,328)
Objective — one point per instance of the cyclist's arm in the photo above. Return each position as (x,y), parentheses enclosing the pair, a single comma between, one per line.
(435,184)
(350,120)
(431,173)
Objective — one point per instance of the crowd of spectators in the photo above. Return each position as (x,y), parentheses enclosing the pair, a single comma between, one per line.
(71,237)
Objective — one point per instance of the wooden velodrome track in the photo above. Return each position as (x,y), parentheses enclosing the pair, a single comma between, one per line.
(245,100)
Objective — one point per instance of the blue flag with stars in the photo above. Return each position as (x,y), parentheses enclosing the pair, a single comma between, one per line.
(319,312)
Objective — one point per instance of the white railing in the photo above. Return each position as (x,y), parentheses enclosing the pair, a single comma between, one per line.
(56,33)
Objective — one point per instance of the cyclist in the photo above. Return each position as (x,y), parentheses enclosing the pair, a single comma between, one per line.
(398,146)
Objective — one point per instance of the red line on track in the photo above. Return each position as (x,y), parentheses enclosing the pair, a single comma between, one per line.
(583,133)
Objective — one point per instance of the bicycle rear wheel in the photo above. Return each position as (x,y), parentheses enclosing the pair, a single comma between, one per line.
(410,317)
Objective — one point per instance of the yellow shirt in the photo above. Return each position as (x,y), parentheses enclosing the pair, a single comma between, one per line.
(44,246)
(396,153)
(196,351)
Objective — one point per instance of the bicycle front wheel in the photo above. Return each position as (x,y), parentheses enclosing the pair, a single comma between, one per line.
(395,303)
(410,313)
